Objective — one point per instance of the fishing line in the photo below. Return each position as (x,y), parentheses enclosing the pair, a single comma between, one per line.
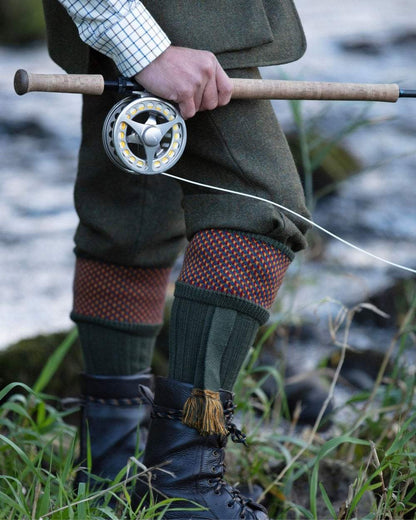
(317,226)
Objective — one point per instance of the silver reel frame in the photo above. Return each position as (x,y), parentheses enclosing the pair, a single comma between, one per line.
(143,134)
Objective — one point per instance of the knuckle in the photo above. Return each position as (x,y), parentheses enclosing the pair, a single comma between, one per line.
(210,104)
(210,64)
(185,92)
(225,93)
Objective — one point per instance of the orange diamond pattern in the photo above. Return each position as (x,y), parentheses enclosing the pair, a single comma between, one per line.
(236,264)
(117,293)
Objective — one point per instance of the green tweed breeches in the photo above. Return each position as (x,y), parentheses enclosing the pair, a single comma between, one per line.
(143,220)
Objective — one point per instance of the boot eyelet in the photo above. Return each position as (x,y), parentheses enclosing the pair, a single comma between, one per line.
(230,504)
(213,469)
(215,453)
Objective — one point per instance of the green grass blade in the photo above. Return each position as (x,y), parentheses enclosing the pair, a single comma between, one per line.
(326,449)
(22,455)
(327,501)
(54,361)
(44,500)
(7,389)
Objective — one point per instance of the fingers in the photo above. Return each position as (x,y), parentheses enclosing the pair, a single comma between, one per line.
(187,108)
(218,88)
(209,99)
(224,87)
(193,79)
(215,92)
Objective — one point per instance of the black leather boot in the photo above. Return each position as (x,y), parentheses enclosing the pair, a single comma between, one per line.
(114,423)
(196,461)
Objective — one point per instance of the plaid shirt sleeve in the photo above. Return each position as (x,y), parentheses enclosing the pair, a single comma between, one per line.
(121,29)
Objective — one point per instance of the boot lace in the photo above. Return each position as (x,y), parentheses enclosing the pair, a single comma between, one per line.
(236,434)
(220,467)
(246,505)
(221,485)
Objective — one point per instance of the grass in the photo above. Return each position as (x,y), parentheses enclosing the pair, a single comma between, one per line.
(378,444)
(38,449)
(38,452)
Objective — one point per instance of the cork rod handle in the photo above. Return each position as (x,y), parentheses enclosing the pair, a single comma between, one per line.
(25,82)
(286,89)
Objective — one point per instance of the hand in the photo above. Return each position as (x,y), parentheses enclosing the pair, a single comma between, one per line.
(191,78)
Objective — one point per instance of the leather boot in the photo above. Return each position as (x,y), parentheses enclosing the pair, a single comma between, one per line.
(196,461)
(114,423)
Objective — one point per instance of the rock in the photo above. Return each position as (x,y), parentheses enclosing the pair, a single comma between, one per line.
(309,393)
(394,300)
(24,361)
(373,46)
(362,45)
(406,38)
(360,367)
(334,162)
(304,392)
(27,127)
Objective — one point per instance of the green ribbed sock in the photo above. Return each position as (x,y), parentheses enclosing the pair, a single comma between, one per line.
(243,334)
(208,343)
(112,351)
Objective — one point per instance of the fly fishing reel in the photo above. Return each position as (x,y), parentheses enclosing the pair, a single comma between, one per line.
(144,134)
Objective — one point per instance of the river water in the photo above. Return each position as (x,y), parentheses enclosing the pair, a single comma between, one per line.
(372,41)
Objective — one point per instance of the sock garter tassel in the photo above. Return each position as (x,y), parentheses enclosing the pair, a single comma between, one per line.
(203,411)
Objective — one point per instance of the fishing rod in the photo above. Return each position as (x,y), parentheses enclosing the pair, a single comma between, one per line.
(143,134)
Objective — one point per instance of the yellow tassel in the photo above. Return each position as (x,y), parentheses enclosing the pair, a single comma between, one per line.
(203,411)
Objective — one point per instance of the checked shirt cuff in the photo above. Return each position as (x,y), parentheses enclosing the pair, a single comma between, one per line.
(123,30)
(134,42)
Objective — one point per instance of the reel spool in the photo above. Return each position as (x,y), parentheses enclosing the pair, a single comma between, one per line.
(144,135)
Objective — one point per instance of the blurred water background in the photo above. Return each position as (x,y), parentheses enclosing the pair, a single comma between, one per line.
(372,41)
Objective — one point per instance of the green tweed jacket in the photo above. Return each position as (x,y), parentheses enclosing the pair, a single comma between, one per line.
(242,33)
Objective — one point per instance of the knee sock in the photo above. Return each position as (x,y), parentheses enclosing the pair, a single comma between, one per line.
(119,312)
(227,285)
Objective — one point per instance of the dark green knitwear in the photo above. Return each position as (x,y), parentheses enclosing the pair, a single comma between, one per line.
(113,351)
(210,336)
